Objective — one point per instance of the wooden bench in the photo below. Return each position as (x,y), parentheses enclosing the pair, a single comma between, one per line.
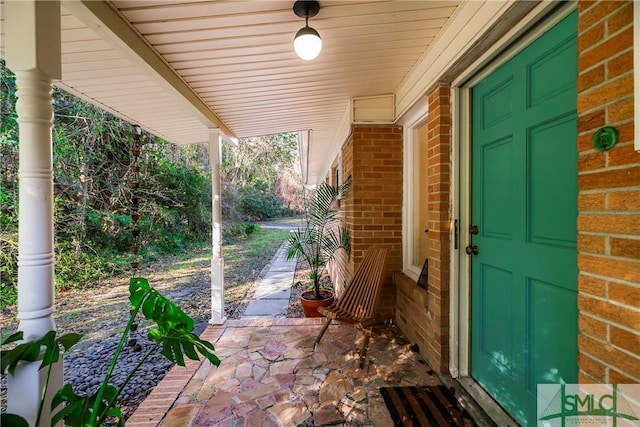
(360,297)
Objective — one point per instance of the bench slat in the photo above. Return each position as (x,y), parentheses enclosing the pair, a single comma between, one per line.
(360,297)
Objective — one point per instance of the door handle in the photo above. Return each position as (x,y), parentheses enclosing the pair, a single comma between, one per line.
(472,250)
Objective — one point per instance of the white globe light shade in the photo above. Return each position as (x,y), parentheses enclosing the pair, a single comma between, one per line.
(307,43)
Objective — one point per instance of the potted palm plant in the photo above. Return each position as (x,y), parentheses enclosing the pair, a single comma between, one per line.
(320,242)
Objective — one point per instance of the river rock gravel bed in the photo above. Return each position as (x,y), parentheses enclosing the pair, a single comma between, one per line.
(86,369)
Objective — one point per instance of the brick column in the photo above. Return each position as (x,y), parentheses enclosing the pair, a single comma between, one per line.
(609,198)
(373,158)
(439,178)
(423,315)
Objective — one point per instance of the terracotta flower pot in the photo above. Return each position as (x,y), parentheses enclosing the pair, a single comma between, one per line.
(310,306)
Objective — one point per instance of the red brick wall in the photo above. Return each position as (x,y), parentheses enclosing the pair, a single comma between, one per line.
(373,158)
(608,205)
(424,315)
(609,198)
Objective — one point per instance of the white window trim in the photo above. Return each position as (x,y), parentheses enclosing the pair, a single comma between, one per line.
(409,122)
(340,173)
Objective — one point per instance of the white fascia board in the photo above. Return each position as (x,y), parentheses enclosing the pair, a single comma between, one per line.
(231,140)
(303,147)
(471,20)
(343,132)
(109,23)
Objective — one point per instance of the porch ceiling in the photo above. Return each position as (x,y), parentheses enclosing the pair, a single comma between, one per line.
(178,67)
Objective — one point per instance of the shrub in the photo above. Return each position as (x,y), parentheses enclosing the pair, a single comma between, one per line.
(75,269)
(237,230)
(256,203)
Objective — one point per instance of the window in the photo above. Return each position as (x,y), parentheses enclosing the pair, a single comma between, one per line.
(416,201)
(420,223)
(336,171)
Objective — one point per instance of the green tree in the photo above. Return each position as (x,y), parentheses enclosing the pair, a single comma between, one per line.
(8,182)
(93,169)
(253,173)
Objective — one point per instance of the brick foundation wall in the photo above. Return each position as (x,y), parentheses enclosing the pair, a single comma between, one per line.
(609,198)
(424,315)
(373,159)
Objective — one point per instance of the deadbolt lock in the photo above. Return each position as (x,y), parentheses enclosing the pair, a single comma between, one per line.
(472,249)
(473,229)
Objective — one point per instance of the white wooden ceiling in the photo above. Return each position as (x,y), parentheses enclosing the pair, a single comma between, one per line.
(231,64)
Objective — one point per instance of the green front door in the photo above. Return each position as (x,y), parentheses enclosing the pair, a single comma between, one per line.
(524,192)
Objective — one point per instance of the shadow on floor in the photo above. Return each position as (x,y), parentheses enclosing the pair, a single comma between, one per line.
(270,375)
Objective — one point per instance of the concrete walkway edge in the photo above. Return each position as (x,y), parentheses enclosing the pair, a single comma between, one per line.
(272,292)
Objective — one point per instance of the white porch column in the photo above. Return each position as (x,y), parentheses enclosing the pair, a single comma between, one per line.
(217,262)
(33,54)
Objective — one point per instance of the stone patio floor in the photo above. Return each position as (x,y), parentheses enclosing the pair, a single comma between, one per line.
(270,375)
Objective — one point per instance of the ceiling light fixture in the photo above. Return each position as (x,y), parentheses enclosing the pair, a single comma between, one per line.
(307,42)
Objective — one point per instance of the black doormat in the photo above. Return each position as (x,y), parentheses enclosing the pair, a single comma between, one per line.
(425,406)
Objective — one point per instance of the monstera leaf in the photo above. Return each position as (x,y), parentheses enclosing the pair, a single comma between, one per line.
(78,410)
(27,352)
(156,307)
(13,420)
(173,332)
(173,326)
(176,342)
(30,351)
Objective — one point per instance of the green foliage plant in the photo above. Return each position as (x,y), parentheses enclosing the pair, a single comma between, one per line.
(320,241)
(172,332)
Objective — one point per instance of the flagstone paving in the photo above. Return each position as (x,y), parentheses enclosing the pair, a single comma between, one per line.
(270,375)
